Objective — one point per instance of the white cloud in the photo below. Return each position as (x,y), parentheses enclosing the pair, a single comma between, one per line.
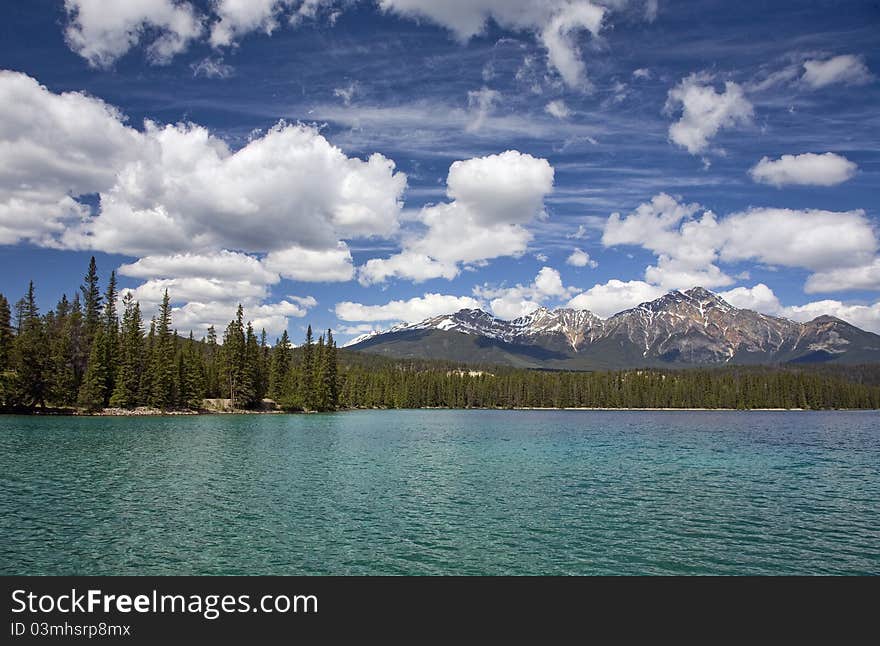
(273,317)
(481,103)
(188,191)
(762,299)
(808,169)
(558,109)
(410,311)
(407,264)
(102,31)
(212,68)
(847,69)
(555,22)
(865,276)
(759,298)
(312,265)
(704,111)
(642,73)
(346,93)
(607,299)
(866,317)
(54,147)
(491,199)
(226,265)
(688,247)
(237,18)
(512,302)
(580,258)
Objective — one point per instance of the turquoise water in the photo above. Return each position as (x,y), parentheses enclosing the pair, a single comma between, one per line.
(443,492)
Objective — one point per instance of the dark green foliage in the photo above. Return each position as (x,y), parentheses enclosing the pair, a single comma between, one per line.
(5,334)
(30,354)
(91,308)
(162,364)
(236,375)
(42,363)
(130,368)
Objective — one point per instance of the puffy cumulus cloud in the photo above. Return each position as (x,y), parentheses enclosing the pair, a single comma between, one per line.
(705,111)
(557,109)
(290,185)
(417,267)
(223,265)
(272,317)
(492,198)
(865,276)
(812,239)
(312,265)
(846,69)
(179,198)
(236,18)
(759,298)
(808,169)
(555,22)
(580,258)
(512,302)
(762,299)
(688,246)
(177,188)
(607,299)
(102,31)
(412,310)
(866,317)
(53,148)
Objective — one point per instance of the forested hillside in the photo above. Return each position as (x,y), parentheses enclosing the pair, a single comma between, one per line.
(85,355)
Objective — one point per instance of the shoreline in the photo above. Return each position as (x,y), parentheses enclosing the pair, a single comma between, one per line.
(152,412)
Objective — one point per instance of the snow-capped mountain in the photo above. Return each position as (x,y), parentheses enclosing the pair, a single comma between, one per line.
(691,327)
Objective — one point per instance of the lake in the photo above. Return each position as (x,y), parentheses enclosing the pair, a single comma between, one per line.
(443,492)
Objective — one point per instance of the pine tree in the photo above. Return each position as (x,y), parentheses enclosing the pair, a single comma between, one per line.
(249,393)
(332,372)
(32,356)
(111,336)
(233,370)
(91,393)
(91,308)
(279,368)
(5,334)
(194,376)
(212,374)
(162,364)
(62,337)
(307,378)
(322,376)
(126,392)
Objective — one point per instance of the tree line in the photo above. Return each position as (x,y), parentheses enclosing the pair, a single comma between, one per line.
(83,354)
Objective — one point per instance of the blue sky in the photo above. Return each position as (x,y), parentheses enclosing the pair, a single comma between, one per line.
(345,163)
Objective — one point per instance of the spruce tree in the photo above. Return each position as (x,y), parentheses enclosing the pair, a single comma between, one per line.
(162,364)
(194,376)
(307,373)
(212,370)
(233,369)
(5,334)
(62,339)
(253,356)
(126,392)
(91,393)
(91,307)
(280,365)
(332,372)
(111,334)
(322,376)
(31,353)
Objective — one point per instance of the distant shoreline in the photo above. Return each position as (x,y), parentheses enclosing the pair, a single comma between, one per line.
(145,412)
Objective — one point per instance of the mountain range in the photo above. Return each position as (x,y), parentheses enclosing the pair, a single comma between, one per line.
(689,328)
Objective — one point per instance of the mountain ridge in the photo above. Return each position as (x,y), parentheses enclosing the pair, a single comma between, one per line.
(692,327)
